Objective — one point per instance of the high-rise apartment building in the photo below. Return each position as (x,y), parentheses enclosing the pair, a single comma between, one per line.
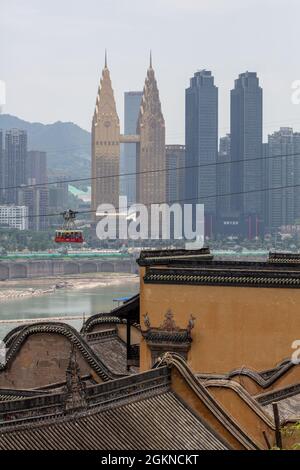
(58,193)
(175,174)
(283,171)
(201,138)
(36,166)
(246,111)
(223,177)
(14,216)
(36,199)
(15,154)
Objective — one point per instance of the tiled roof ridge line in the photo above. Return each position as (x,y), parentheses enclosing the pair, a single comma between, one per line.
(144,389)
(102,334)
(258,377)
(8,338)
(278,394)
(114,314)
(246,279)
(175,360)
(100,318)
(246,397)
(70,333)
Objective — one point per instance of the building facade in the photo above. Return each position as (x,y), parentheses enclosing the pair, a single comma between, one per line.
(145,140)
(58,192)
(175,174)
(132,103)
(226,306)
(105,145)
(36,167)
(282,166)
(201,139)
(151,151)
(14,216)
(246,147)
(36,199)
(223,177)
(15,155)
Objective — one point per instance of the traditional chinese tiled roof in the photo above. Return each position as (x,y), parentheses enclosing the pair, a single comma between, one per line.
(154,334)
(161,257)
(192,268)
(100,319)
(220,275)
(17,339)
(159,422)
(137,412)
(141,411)
(290,258)
(111,349)
(201,390)
(288,407)
(11,397)
(130,308)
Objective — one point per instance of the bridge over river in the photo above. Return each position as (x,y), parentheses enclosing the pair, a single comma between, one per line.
(18,266)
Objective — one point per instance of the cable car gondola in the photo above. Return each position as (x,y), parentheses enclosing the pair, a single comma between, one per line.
(68,233)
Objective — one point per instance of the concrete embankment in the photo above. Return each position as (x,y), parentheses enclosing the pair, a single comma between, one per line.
(22,269)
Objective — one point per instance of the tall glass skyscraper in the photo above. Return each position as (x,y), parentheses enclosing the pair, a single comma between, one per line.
(201,138)
(246,111)
(132,102)
(14,163)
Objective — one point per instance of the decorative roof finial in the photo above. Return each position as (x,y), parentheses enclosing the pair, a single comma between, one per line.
(105,60)
(150,59)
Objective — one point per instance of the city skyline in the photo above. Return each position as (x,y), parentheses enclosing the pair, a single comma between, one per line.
(241,51)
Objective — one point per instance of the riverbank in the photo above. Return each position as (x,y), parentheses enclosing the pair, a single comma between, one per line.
(22,288)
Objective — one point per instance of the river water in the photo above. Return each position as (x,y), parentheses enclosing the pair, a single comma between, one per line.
(65,302)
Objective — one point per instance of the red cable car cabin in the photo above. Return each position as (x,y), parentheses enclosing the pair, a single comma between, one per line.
(68,236)
(68,233)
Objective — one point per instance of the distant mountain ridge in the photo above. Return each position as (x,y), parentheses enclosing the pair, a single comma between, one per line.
(68,146)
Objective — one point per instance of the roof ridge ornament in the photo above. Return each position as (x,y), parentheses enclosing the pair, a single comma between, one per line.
(169,322)
(75,397)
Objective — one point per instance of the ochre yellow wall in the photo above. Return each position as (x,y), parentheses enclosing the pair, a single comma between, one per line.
(234,327)
(249,415)
(181,388)
(135,333)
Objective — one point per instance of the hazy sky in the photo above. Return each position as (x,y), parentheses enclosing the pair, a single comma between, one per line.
(52,53)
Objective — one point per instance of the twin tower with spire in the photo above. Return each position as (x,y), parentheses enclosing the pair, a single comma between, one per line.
(149,139)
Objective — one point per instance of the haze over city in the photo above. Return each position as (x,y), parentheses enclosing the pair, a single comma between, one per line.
(53,52)
(150,230)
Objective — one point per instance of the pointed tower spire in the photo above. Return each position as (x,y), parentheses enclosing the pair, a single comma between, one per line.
(105,143)
(151,151)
